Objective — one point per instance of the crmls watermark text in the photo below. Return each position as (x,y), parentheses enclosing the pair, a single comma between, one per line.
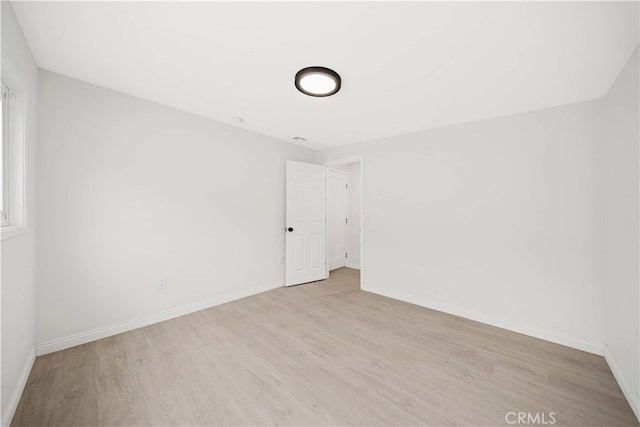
(524,418)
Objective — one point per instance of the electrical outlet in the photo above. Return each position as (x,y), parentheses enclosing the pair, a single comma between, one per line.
(162,283)
(282,260)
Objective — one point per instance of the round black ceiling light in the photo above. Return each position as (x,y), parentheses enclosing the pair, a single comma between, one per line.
(317,81)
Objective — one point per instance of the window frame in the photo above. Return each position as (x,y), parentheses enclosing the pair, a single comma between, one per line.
(14,151)
(6,184)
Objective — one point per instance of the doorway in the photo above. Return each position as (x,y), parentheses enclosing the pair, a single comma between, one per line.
(345,208)
(338,217)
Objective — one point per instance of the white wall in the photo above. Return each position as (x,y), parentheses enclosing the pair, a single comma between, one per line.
(622,200)
(131,191)
(18,253)
(499,220)
(354,215)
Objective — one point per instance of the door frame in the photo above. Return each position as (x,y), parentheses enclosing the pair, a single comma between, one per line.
(346,161)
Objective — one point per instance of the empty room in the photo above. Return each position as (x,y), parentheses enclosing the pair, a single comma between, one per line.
(320,213)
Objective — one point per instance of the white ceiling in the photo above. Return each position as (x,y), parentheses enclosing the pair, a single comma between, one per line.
(404,66)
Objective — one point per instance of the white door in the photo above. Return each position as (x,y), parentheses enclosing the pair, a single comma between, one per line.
(305,223)
(337,217)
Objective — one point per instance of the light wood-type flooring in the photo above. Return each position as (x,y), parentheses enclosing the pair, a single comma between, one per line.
(324,353)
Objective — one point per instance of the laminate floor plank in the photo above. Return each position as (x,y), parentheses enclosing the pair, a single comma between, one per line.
(324,353)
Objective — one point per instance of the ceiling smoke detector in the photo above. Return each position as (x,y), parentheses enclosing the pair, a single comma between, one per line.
(318,81)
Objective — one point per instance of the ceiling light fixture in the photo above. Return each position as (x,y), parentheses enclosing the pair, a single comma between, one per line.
(318,81)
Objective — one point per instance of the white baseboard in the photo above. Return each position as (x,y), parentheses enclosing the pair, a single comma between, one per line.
(629,393)
(12,404)
(129,325)
(544,334)
(353,265)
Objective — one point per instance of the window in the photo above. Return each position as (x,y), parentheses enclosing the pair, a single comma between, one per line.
(4,169)
(12,164)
